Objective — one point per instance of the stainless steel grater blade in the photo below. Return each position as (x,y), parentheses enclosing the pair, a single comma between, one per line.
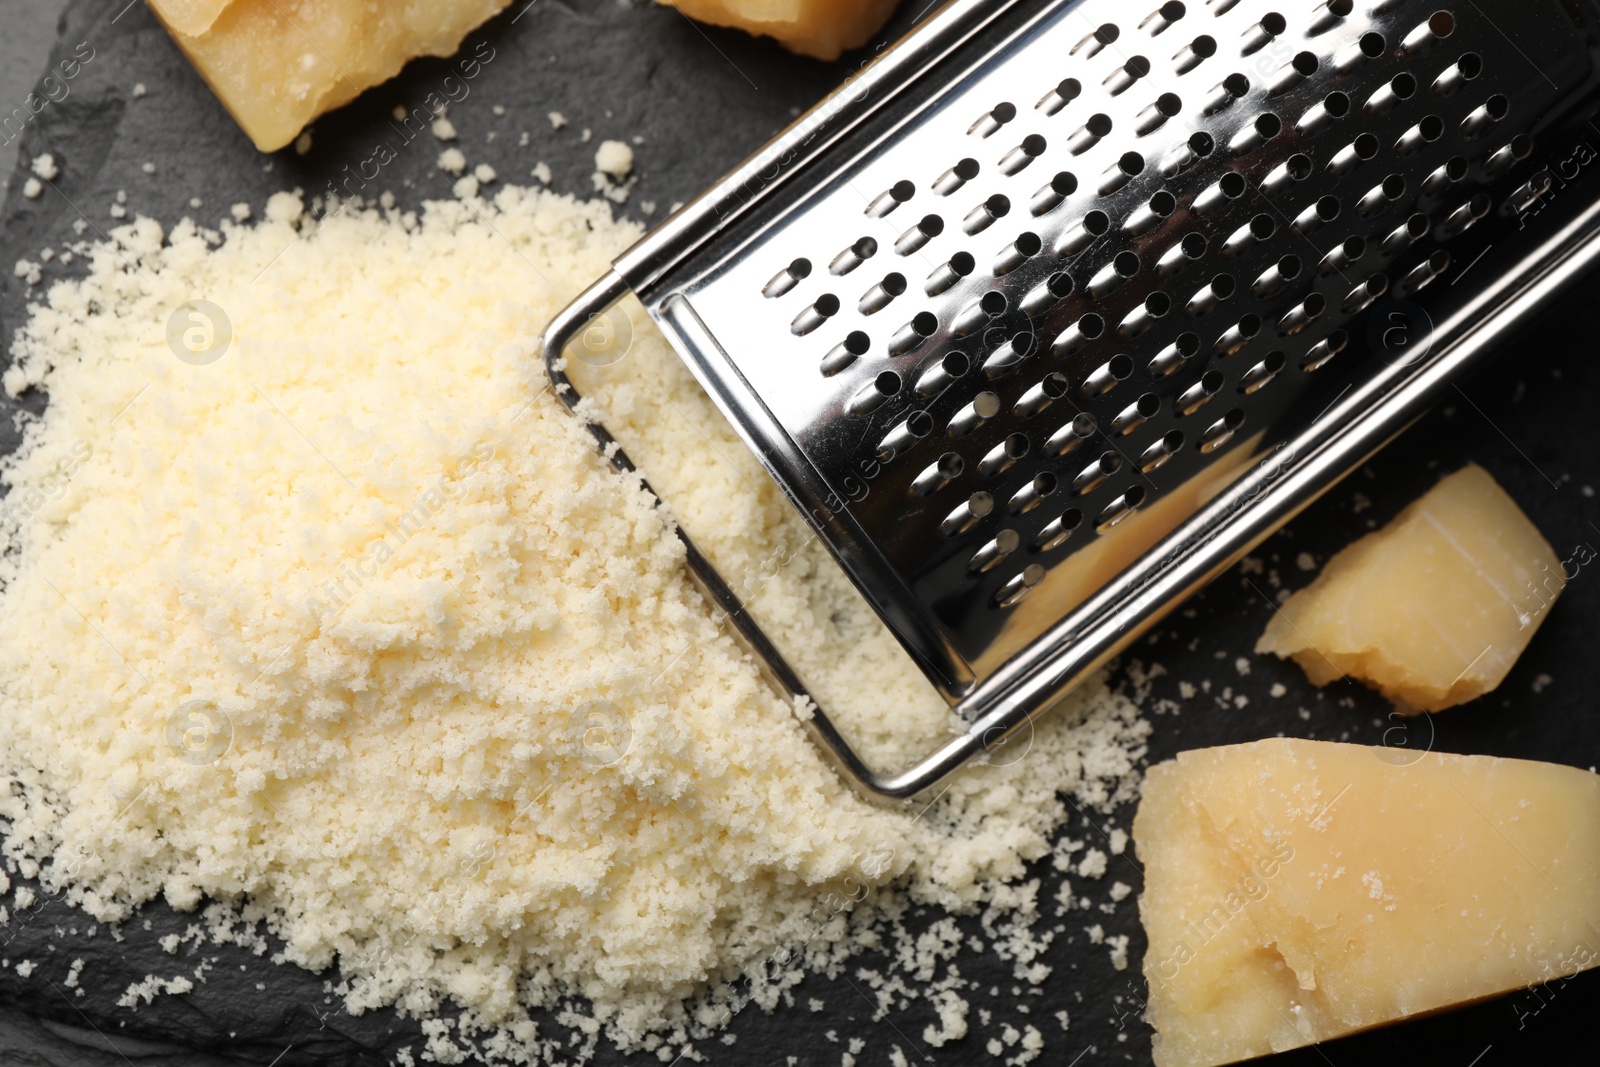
(1055,310)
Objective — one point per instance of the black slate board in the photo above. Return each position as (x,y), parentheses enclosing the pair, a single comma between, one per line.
(704,98)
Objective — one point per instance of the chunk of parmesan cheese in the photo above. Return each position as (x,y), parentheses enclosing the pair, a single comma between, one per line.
(1300,890)
(1433,609)
(820,28)
(278,64)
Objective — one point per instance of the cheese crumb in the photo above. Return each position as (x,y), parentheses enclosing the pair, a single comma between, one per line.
(557,120)
(614,158)
(452,161)
(45,167)
(32,188)
(443,129)
(1093,864)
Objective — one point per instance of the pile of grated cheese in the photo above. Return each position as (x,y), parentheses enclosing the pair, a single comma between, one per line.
(316,603)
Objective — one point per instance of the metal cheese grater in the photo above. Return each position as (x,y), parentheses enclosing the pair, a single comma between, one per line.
(1055,310)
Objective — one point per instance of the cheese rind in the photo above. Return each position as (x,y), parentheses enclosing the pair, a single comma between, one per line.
(1432,610)
(820,28)
(1299,890)
(278,64)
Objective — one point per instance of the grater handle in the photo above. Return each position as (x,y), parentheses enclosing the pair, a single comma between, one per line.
(597,300)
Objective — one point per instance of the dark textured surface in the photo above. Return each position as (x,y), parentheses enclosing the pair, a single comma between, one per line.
(704,98)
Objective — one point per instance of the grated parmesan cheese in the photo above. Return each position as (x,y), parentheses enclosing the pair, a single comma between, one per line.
(460,722)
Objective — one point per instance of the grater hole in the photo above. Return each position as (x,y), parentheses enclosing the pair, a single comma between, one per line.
(1222,431)
(947,274)
(1031,148)
(1305,63)
(1104,378)
(1251,137)
(870,397)
(787,278)
(1165,447)
(1164,16)
(911,336)
(879,296)
(1050,196)
(942,373)
(1396,91)
(1325,350)
(1194,53)
(1478,123)
(1200,393)
(1019,586)
(1372,45)
(1027,245)
(956,177)
(1516,150)
(926,229)
(893,197)
(1259,375)
(968,514)
(1120,508)
(1033,494)
(938,474)
(853,257)
(1136,414)
(1364,294)
(1092,44)
(990,555)
(1128,166)
(1303,314)
(1066,91)
(1095,474)
(1057,532)
(1277,277)
(1214,292)
(984,215)
(846,352)
(1135,68)
(1238,335)
(1257,36)
(825,307)
(993,119)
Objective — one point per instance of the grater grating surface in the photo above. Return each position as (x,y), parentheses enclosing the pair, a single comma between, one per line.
(1045,296)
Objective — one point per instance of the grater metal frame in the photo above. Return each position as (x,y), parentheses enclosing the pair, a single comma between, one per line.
(1275,488)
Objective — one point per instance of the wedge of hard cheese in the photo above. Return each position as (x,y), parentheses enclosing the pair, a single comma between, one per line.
(821,28)
(1433,609)
(1300,890)
(278,64)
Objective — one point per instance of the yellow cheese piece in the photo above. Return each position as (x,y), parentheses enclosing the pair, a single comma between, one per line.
(1433,609)
(820,28)
(278,64)
(1300,890)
